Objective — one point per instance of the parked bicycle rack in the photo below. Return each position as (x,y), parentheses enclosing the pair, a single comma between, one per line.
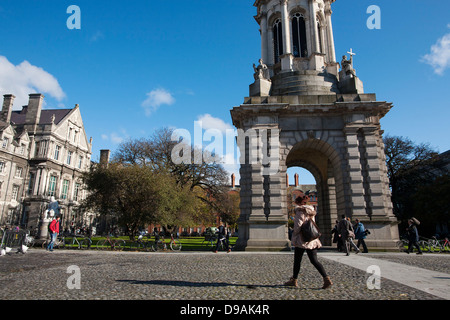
(13,239)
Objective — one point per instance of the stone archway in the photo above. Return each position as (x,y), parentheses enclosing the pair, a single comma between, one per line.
(314,155)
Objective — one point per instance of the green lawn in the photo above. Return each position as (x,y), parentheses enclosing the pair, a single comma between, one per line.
(187,243)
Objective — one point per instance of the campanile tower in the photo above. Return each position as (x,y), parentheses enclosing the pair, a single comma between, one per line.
(305,109)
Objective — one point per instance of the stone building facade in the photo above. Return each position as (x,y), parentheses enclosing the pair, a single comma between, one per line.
(307,110)
(43,154)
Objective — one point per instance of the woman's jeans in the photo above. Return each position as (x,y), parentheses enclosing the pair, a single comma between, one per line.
(52,241)
(312,255)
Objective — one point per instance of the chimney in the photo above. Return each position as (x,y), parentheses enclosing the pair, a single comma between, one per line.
(8,100)
(296,179)
(233,180)
(104,157)
(34,109)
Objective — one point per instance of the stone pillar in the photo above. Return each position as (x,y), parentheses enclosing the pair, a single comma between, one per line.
(263,220)
(264,39)
(287,57)
(355,188)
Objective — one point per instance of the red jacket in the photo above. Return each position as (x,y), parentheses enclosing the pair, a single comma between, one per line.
(54,226)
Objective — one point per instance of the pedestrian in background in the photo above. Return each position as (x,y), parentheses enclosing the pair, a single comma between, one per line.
(54,231)
(360,235)
(303,212)
(223,236)
(413,236)
(347,234)
(336,238)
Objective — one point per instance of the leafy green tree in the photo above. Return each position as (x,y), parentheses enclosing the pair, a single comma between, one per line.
(412,169)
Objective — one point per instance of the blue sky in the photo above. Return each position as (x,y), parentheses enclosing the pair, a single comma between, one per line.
(136,66)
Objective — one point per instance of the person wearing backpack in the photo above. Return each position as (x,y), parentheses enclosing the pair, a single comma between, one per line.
(303,212)
(54,231)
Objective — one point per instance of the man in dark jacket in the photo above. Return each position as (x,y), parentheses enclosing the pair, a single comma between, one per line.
(413,237)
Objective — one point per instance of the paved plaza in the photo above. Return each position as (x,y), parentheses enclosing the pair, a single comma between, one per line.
(42,275)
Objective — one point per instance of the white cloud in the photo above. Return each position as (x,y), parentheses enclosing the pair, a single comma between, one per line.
(114,137)
(210,122)
(157,98)
(25,78)
(439,58)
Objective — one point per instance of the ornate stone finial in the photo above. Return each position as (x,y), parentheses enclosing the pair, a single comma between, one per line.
(261,71)
(53,118)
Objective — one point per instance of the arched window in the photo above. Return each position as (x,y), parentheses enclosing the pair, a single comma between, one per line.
(299,36)
(277,40)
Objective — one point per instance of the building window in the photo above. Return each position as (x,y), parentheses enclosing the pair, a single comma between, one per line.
(5,143)
(77,192)
(57,151)
(22,149)
(69,157)
(31,183)
(52,186)
(65,189)
(15,193)
(80,162)
(2,166)
(299,36)
(19,171)
(277,40)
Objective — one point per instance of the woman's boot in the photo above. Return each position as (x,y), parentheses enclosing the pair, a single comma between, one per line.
(292,283)
(327,283)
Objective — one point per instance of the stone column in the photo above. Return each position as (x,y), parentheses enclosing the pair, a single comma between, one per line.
(286,27)
(354,181)
(378,190)
(286,58)
(264,39)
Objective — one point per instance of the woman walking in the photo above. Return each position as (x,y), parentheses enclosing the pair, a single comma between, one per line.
(303,212)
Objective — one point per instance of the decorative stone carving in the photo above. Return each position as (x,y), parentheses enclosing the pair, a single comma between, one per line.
(261,71)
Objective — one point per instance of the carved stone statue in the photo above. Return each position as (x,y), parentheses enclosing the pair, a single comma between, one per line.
(347,66)
(261,71)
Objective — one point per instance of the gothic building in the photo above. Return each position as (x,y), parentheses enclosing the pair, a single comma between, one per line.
(43,154)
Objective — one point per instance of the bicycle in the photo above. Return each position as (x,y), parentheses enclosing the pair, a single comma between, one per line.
(445,244)
(29,240)
(435,245)
(140,244)
(86,242)
(60,243)
(74,243)
(175,244)
(113,244)
(402,245)
(159,245)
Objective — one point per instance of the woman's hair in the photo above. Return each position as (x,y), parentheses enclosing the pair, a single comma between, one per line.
(301,198)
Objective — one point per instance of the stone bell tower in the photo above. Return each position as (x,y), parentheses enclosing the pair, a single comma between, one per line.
(307,110)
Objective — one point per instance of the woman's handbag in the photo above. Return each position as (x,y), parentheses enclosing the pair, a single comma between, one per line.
(309,231)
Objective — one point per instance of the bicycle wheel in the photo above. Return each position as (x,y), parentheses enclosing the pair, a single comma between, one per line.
(424,246)
(447,247)
(103,245)
(45,244)
(401,245)
(119,245)
(175,245)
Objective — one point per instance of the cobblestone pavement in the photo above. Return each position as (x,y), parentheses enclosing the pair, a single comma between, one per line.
(41,275)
